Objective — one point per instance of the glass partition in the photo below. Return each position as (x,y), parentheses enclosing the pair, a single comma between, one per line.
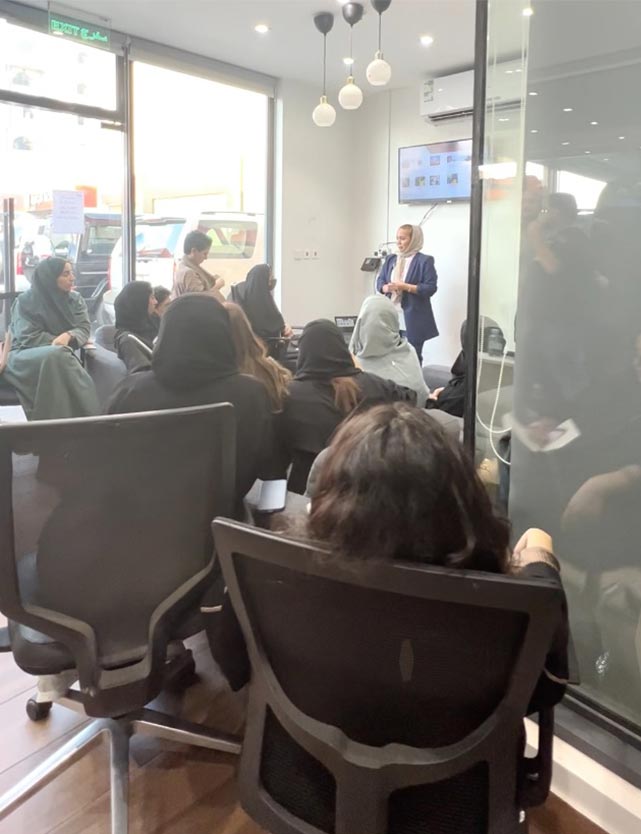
(559,406)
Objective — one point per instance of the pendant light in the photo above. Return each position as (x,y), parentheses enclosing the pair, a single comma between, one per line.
(324,114)
(379,71)
(351,95)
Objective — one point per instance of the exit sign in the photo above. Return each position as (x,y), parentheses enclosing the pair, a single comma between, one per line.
(79,31)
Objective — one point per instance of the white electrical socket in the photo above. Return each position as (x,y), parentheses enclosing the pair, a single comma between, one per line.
(308,254)
(314,254)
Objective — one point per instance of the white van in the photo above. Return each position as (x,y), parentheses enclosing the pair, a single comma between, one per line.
(237,244)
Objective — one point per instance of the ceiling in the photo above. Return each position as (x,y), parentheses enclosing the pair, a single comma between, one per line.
(224,29)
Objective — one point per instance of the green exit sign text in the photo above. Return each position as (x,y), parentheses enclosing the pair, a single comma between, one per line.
(78,30)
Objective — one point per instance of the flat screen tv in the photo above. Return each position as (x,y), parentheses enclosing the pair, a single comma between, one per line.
(437,173)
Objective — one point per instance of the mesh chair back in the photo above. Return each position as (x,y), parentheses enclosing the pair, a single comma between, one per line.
(106,370)
(384,697)
(105,539)
(105,336)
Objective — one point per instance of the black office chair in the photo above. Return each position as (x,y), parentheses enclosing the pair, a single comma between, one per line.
(386,698)
(105,554)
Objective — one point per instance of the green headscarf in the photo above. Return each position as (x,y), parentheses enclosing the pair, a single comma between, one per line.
(44,303)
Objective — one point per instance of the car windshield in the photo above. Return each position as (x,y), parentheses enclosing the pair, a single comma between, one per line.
(157,239)
(230,238)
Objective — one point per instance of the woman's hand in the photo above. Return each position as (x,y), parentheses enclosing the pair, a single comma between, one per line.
(387,288)
(62,340)
(436,393)
(534,537)
(287,332)
(219,283)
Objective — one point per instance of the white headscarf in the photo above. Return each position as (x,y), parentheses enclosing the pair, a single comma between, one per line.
(380,349)
(416,244)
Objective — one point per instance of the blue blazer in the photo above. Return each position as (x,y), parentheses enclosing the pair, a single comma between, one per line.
(419,317)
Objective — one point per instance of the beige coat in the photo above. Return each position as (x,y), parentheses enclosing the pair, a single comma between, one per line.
(190,277)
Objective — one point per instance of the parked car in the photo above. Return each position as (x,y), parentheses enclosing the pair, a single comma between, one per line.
(88,252)
(237,244)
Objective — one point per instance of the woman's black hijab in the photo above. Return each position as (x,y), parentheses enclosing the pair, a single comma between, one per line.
(132,312)
(44,303)
(195,344)
(256,299)
(323,354)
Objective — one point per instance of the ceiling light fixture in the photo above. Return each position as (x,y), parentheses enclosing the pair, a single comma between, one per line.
(351,96)
(261,28)
(348,62)
(324,114)
(587,151)
(379,71)
(528,11)
(504,119)
(532,93)
(621,137)
(426,40)
(568,109)
(565,143)
(594,123)
(534,131)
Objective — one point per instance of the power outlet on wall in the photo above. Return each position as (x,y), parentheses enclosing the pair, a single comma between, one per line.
(315,255)
(308,254)
(299,254)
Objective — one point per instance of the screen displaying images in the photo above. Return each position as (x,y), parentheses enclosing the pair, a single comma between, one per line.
(435,173)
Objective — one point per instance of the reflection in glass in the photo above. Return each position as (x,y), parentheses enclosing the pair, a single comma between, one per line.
(561,276)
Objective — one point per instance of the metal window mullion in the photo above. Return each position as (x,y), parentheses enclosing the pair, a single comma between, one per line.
(476,226)
(52,104)
(126,93)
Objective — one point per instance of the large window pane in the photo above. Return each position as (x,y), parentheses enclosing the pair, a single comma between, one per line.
(42,152)
(201,163)
(37,64)
(561,277)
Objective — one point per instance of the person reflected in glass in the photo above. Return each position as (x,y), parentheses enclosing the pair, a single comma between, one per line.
(48,323)
(409,279)
(190,274)
(379,348)
(135,306)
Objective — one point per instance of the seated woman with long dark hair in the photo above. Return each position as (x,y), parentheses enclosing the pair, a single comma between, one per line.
(392,485)
(134,307)
(326,388)
(252,358)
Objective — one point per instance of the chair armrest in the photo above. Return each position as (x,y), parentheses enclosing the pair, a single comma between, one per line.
(537,776)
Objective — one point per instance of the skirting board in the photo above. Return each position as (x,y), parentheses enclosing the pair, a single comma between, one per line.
(595,792)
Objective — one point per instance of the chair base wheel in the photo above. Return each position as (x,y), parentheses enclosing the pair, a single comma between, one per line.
(38,710)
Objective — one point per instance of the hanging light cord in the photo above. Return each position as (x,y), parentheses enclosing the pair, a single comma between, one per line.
(324,65)
(351,51)
(380,32)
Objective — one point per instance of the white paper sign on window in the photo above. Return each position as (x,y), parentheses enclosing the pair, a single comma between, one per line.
(68,212)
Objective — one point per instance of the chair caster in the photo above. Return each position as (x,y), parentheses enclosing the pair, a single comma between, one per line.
(38,710)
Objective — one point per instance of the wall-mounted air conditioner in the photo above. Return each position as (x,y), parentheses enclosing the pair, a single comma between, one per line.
(452,96)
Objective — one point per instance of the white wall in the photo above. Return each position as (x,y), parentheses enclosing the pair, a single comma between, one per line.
(315,201)
(387,121)
(339,193)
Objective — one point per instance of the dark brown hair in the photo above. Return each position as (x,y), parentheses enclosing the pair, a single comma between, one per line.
(252,358)
(394,486)
(347,394)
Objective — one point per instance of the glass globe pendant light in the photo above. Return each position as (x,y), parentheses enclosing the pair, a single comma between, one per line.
(379,71)
(324,114)
(351,96)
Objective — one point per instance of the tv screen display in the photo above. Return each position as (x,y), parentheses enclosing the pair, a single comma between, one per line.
(435,173)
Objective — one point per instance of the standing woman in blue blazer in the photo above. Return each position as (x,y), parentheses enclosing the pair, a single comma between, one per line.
(409,279)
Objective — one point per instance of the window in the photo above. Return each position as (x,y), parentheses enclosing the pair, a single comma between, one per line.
(585,190)
(230,239)
(42,65)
